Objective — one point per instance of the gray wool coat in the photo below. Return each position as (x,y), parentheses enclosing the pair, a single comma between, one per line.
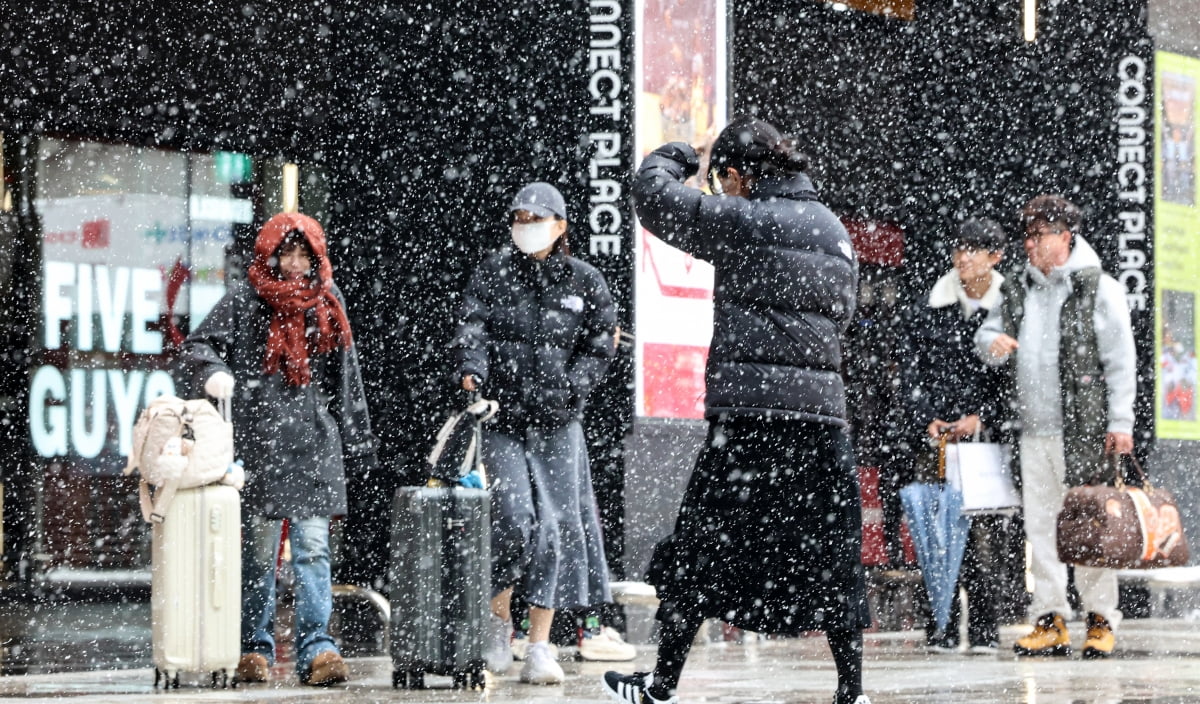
(293,440)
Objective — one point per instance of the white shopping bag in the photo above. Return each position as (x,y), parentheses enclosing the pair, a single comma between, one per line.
(982,471)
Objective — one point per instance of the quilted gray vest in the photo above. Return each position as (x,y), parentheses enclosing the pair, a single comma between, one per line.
(1082,386)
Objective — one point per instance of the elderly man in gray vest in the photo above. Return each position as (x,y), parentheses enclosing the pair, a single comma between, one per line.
(1065,325)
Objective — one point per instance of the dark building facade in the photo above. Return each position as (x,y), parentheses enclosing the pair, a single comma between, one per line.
(956,113)
(413,123)
(412,126)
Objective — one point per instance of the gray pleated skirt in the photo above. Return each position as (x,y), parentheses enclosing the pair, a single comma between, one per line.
(545,528)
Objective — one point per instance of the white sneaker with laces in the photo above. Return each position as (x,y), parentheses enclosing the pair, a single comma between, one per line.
(633,689)
(540,667)
(499,655)
(520,646)
(605,646)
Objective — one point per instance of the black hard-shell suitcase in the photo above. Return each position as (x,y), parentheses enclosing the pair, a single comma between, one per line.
(440,585)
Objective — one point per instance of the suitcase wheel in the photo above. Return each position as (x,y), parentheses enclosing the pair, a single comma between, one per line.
(220,678)
(469,679)
(164,678)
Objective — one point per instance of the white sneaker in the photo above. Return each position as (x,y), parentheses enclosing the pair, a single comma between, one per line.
(499,654)
(520,646)
(605,646)
(862,699)
(540,667)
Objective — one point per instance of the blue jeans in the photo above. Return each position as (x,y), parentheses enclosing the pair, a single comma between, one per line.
(313,587)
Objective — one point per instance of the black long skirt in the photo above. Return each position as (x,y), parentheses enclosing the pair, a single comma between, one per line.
(769,534)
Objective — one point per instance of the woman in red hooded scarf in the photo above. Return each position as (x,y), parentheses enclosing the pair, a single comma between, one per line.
(279,345)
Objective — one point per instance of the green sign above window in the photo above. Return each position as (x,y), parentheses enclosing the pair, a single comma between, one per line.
(231,167)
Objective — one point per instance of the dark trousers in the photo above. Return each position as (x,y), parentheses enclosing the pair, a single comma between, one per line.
(981,578)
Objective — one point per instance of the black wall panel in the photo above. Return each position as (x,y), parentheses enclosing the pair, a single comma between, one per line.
(952,115)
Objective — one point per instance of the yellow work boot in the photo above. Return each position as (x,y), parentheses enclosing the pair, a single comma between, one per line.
(1049,637)
(1100,638)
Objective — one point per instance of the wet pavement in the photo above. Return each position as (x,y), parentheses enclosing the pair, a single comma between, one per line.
(1158,663)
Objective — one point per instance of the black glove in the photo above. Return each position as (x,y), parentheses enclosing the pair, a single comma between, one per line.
(681,153)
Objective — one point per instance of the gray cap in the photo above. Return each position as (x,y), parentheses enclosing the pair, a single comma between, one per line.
(541,199)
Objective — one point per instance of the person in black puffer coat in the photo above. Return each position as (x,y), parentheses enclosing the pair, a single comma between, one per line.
(537,335)
(946,388)
(769,533)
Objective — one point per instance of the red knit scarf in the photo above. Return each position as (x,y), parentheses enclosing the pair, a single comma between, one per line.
(288,347)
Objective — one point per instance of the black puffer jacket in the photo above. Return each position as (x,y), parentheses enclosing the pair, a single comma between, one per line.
(539,335)
(942,377)
(292,440)
(786,280)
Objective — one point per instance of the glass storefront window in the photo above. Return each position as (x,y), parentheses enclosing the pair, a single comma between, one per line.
(133,252)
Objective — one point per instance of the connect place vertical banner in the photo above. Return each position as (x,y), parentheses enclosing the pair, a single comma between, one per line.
(609,133)
(607,136)
(1124,221)
(681,96)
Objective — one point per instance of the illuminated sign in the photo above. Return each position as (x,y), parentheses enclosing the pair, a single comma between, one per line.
(681,97)
(1177,244)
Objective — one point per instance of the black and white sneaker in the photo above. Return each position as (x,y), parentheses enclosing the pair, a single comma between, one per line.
(632,689)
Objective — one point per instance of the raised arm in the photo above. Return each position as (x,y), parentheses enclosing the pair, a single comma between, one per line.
(680,215)
(990,332)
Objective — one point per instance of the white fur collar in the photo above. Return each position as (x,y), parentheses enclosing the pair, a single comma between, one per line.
(949,290)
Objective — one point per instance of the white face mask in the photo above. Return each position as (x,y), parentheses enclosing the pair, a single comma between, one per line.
(534,237)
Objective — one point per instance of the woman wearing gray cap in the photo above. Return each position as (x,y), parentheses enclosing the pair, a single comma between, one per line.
(536,334)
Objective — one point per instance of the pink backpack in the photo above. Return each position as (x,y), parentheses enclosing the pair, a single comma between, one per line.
(180,444)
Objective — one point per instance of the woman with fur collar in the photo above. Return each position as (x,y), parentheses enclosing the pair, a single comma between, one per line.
(947,389)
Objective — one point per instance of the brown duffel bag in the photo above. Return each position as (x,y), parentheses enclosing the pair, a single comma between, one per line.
(1121,526)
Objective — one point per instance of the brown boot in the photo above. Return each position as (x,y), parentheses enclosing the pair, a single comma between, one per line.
(1049,637)
(327,668)
(1100,638)
(252,668)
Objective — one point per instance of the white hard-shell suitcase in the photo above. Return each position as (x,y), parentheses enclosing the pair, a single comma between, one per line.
(195,586)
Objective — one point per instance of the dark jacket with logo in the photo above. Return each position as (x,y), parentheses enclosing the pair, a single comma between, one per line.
(539,334)
(292,440)
(786,281)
